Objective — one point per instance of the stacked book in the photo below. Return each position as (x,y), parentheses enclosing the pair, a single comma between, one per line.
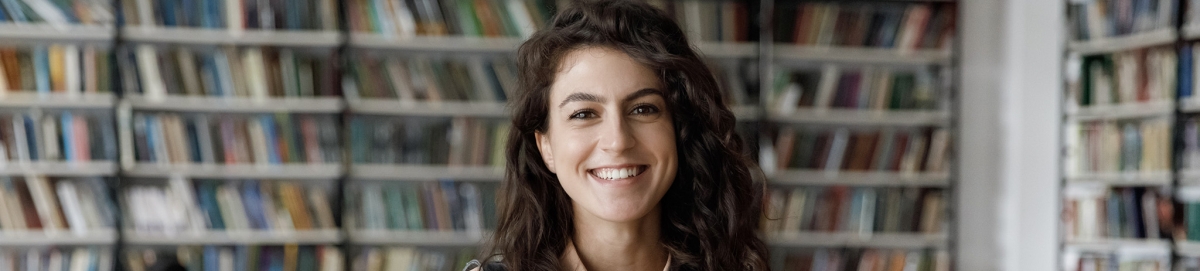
(714,21)
(423,206)
(250,258)
(427,79)
(905,26)
(56,259)
(56,136)
(57,12)
(59,68)
(509,18)
(51,205)
(1095,20)
(184,206)
(233,15)
(253,72)
(1127,147)
(411,259)
(170,138)
(1118,213)
(867,260)
(904,150)
(867,88)
(1129,77)
(863,210)
(457,141)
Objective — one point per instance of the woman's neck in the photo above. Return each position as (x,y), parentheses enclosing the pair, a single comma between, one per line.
(605,245)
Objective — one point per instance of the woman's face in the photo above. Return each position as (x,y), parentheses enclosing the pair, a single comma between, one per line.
(610,138)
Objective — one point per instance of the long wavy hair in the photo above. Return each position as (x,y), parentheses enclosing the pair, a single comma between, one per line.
(710,212)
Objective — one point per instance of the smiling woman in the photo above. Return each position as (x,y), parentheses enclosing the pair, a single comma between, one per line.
(622,155)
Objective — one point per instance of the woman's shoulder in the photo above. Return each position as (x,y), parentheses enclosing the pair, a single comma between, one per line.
(475,265)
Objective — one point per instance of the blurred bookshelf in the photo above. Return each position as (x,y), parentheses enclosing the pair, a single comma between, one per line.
(1125,126)
(320,127)
(858,133)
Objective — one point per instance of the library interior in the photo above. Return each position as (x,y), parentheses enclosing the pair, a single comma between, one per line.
(369,135)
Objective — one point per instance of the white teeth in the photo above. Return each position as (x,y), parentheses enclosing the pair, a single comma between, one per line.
(613,174)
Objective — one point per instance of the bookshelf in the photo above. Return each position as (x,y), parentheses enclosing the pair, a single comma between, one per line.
(1121,140)
(57,162)
(838,102)
(187,69)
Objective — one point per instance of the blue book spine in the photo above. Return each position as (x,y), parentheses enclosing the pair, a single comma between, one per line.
(212,14)
(67,135)
(3,14)
(239,257)
(218,86)
(208,201)
(253,199)
(276,261)
(1185,71)
(193,141)
(31,137)
(93,259)
(186,18)
(268,126)
(169,10)
(152,137)
(67,10)
(41,67)
(14,9)
(212,259)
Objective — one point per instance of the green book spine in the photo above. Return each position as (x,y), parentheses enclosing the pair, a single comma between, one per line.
(397,220)
(412,206)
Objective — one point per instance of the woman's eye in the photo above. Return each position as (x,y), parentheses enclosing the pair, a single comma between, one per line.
(584,114)
(644,110)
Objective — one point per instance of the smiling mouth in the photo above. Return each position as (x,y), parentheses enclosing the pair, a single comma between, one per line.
(618,173)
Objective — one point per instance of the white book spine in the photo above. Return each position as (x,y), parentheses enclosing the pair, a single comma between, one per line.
(187,69)
(181,189)
(252,58)
(68,196)
(837,151)
(258,142)
(49,141)
(14,205)
(233,17)
(44,203)
(55,261)
(204,137)
(18,123)
(73,70)
(524,20)
(407,23)
(49,13)
(81,259)
(152,85)
(6,219)
(827,86)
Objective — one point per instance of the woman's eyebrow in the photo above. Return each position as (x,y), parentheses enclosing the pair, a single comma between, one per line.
(581,97)
(643,93)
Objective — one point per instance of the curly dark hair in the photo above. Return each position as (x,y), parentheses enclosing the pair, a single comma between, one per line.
(712,209)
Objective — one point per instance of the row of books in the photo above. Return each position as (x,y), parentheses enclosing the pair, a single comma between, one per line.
(895,25)
(257,72)
(59,68)
(40,203)
(57,12)
(842,149)
(1131,146)
(1125,260)
(234,15)
(855,210)
(56,136)
(706,20)
(432,80)
(410,259)
(854,88)
(1128,77)
(242,258)
(57,259)
(235,139)
(1123,212)
(1098,19)
(867,260)
(508,18)
(441,205)
(209,205)
(417,140)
